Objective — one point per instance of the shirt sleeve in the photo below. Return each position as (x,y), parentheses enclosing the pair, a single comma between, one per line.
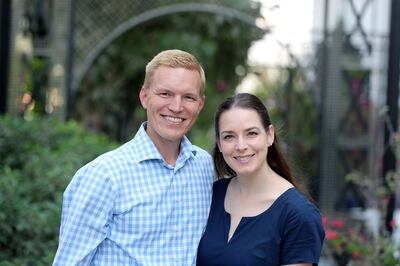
(303,238)
(87,210)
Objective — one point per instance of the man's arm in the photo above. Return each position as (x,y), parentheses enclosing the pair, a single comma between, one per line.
(87,210)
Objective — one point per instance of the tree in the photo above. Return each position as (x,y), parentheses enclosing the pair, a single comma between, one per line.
(107,99)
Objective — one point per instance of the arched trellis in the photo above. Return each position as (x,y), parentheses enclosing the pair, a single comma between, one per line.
(156,13)
(91,42)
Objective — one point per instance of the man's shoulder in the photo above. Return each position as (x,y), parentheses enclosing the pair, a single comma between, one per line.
(201,151)
(113,158)
(201,155)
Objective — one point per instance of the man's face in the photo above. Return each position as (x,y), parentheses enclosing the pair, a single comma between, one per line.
(172,102)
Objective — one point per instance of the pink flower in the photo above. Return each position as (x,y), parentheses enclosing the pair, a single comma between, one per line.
(356,85)
(324,221)
(221,85)
(392,223)
(350,231)
(364,102)
(337,223)
(330,234)
(356,254)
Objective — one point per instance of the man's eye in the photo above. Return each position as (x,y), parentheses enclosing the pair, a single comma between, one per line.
(190,98)
(164,94)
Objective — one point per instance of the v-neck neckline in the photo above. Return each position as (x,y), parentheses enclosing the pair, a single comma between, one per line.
(228,216)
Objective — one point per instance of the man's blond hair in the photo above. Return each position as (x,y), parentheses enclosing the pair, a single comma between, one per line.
(176,59)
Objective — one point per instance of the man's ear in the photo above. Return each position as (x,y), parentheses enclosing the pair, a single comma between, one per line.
(143,97)
(201,104)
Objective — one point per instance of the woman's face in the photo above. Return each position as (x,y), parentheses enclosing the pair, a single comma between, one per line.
(244,141)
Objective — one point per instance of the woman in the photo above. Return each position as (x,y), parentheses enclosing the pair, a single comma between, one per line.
(258,215)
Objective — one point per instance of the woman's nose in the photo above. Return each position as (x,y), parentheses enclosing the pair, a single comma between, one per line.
(241,144)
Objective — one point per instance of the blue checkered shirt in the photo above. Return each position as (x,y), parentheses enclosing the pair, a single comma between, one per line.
(129,207)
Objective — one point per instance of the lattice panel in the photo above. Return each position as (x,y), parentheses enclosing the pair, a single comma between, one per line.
(354,120)
(357,33)
(95,20)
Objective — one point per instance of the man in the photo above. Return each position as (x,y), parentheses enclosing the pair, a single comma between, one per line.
(147,202)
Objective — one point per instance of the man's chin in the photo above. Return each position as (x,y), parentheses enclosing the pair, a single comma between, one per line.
(173,135)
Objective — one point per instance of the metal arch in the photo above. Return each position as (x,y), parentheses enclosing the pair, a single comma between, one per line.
(154,13)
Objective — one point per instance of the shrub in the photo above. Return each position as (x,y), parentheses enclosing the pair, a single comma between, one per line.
(37,160)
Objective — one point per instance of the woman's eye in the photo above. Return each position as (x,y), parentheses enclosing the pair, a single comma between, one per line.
(226,137)
(253,133)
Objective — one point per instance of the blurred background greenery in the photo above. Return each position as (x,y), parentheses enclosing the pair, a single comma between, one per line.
(38,159)
(76,68)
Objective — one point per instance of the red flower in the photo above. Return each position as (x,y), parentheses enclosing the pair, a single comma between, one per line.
(330,234)
(356,254)
(392,223)
(337,223)
(221,85)
(350,231)
(324,221)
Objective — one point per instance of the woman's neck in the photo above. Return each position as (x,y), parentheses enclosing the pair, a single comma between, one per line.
(264,181)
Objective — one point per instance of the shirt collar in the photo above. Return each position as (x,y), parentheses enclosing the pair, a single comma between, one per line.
(146,150)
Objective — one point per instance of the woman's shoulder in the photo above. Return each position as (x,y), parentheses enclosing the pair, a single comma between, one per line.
(221,184)
(223,181)
(298,205)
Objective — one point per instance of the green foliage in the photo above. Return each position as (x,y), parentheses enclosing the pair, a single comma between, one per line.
(37,160)
(295,115)
(36,85)
(110,89)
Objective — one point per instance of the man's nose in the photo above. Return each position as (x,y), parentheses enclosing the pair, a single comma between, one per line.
(176,104)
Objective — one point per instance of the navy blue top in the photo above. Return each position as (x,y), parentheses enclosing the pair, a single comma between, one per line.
(290,231)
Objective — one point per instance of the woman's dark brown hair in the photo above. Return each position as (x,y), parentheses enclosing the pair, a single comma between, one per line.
(275,158)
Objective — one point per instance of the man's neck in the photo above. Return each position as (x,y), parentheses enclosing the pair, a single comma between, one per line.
(169,151)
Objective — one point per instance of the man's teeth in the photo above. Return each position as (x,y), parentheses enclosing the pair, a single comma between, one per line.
(174,119)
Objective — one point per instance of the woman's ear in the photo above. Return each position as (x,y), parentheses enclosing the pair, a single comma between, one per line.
(218,145)
(271,135)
